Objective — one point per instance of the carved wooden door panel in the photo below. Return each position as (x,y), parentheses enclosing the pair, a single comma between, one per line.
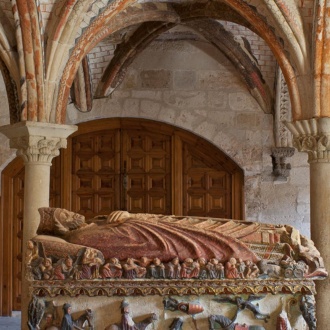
(206,189)
(17,212)
(146,164)
(121,169)
(96,173)
(147,167)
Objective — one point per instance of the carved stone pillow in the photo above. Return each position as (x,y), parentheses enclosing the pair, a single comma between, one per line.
(47,224)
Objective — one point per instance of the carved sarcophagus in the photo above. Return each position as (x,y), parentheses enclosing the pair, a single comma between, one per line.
(145,254)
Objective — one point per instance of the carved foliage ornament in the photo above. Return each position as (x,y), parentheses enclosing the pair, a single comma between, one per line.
(105,288)
(312,136)
(317,147)
(38,148)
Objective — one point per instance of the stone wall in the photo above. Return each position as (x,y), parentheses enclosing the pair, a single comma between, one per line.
(190,85)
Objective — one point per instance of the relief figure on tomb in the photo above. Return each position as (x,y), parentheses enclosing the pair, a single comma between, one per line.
(127,322)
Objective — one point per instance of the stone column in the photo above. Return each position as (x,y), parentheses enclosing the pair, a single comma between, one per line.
(38,143)
(313,136)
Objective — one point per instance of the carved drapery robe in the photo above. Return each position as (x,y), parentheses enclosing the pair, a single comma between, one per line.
(126,235)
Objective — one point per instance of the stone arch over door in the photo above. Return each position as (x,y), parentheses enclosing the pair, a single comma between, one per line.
(133,164)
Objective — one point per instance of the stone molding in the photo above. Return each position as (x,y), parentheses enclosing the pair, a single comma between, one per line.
(180,287)
(282,112)
(312,136)
(38,142)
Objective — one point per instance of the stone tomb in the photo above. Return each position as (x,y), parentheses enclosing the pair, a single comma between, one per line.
(147,271)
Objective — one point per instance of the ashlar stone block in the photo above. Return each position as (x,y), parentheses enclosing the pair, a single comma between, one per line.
(184,80)
(149,108)
(246,121)
(185,99)
(240,101)
(155,79)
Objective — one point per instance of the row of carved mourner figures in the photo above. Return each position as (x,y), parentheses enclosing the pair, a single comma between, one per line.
(131,246)
(90,265)
(40,317)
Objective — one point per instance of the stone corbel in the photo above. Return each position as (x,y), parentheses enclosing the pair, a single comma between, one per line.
(281,169)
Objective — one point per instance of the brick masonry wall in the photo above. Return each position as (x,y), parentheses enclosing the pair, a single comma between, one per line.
(260,50)
(98,58)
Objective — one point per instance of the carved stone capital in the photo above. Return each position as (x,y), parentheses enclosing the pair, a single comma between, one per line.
(312,136)
(38,148)
(38,142)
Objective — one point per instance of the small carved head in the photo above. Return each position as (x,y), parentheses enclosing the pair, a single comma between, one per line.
(68,261)
(30,244)
(67,308)
(156,261)
(47,262)
(175,261)
(232,261)
(124,307)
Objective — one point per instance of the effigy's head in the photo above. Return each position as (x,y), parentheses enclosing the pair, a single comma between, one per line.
(58,221)
(68,219)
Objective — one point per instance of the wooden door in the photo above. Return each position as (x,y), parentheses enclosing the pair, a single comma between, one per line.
(16,210)
(121,170)
(146,169)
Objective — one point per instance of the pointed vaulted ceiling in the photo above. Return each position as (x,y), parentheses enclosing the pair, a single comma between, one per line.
(45,47)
